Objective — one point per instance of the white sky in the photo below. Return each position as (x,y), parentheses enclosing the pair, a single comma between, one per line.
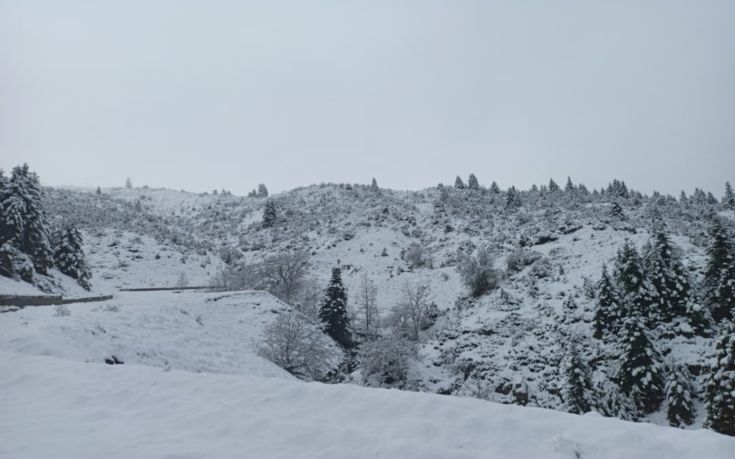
(205,94)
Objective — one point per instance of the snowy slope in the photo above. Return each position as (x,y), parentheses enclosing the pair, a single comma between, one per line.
(70,409)
(199,332)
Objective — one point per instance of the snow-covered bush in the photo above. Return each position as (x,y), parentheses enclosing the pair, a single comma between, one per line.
(541,268)
(520,258)
(417,256)
(384,362)
(478,273)
(296,343)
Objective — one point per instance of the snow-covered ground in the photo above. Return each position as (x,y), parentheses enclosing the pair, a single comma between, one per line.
(59,408)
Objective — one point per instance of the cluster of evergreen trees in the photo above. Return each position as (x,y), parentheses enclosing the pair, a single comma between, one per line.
(650,296)
(26,246)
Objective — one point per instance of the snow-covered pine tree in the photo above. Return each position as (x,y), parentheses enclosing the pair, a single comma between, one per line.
(128,183)
(15,264)
(262,191)
(458,183)
(569,187)
(699,319)
(35,241)
(577,389)
(12,213)
(374,185)
(553,187)
(98,191)
(512,198)
(668,277)
(494,188)
(728,201)
(333,311)
(633,283)
(472,183)
(640,375)
(270,214)
(617,211)
(69,256)
(719,275)
(679,396)
(720,390)
(611,402)
(607,309)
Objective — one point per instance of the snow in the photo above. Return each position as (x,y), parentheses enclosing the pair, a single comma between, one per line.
(13,287)
(129,411)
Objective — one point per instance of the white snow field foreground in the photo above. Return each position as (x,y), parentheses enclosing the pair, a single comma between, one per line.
(192,387)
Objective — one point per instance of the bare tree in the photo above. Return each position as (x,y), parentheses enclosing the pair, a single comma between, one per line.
(415,312)
(310,298)
(368,314)
(478,273)
(181,282)
(284,274)
(296,343)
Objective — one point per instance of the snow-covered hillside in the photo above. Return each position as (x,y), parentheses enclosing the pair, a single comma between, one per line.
(71,409)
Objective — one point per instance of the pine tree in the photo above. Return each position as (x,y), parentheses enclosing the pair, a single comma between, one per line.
(69,256)
(262,191)
(98,191)
(577,389)
(617,211)
(553,187)
(472,183)
(633,283)
(679,394)
(513,198)
(374,185)
(458,183)
(607,309)
(333,312)
(719,275)
(569,187)
(699,319)
(494,188)
(35,241)
(640,374)
(128,183)
(728,201)
(668,277)
(270,214)
(720,390)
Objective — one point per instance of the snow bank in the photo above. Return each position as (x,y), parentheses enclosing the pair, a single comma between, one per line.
(63,408)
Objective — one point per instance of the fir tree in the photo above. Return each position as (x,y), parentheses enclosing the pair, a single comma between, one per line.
(458,183)
(333,312)
(719,275)
(633,283)
(640,375)
(679,394)
(374,185)
(262,191)
(720,390)
(617,211)
(128,183)
(699,319)
(472,183)
(270,214)
(98,191)
(553,187)
(607,308)
(494,188)
(667,276)
(69,256)
(512,198)
(35,241)
(577,389)
(728,201)
(569,187)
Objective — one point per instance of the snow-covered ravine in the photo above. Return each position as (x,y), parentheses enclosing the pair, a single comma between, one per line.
(53,407)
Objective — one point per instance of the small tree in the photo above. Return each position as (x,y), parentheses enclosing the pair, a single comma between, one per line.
(494,188)
(415,312)
(262,191)
(374,185)
(472,183)
(98,192)
(367,306)
(458,183)
(69,256)
(181,281)
(679,395)
(284,274)
(720,391)
(728,201)
(577,389)
(384,361)
(719,275)
(270,214)
(607,308)
(295,343)
(553,187)
(478,273)
(633,283)
(128,183)
(333,312)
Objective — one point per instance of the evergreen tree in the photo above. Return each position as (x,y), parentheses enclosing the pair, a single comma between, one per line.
(98,191)
(633,283)
(640,374)
(35,241)
(578,384)
(512,198)
(472,183)
(262,191)
(128,183)
(69,256)
(668,277)
(679,394)
(494,188)
(458,183)
(719,275)
(553,187)
(720,391)
(617,211)
(270,214)
(569,187)
(728,201)
(699,319)
(374,185)
(333,312)
(607,308)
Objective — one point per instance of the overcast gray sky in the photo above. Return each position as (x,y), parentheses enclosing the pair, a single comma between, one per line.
(205,94)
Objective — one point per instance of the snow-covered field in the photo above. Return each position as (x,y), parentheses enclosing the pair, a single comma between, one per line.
(193,387)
